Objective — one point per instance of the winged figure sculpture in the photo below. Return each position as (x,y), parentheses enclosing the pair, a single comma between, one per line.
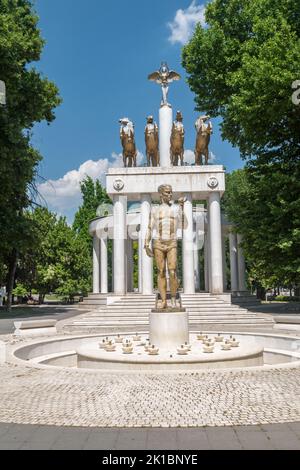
(164,76)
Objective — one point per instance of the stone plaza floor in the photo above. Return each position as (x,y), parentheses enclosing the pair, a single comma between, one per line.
(44,408)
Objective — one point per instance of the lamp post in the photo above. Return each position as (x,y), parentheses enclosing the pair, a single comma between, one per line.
(2,93)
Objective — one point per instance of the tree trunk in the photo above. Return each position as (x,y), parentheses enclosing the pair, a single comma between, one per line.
(11,278)
(261,293)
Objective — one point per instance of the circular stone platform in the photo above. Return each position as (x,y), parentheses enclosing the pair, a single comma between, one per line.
(36,393)
(248,354)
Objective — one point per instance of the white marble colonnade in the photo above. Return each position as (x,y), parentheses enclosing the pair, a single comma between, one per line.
(141,184)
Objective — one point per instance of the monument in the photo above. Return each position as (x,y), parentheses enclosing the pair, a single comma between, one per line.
(163,77)
(168,326)
(128,142)
(151,140)
(204,132)
(163,224)
(177,141)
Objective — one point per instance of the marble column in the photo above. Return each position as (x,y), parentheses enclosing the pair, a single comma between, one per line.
(233,262)
(224,263)
(147,262)
(96,265)
(165,129)
(206,263)
(188,248)
(140,241)
(241,265)
(103,266)
(129,265)
(215,230)
(120,235)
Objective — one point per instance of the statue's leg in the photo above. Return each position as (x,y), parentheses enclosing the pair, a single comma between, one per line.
(196,158)
(172,264)
(160,259)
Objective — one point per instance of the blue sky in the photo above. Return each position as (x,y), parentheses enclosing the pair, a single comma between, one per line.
(100,53)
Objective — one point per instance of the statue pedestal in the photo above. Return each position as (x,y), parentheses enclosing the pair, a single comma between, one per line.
(169,329)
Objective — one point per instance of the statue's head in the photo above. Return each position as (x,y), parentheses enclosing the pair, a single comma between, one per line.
(124,121)
(166,193)
(164,69)
(150,120)
(179,116)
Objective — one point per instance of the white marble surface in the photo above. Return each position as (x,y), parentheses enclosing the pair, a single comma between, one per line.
(169,329)
(183,179)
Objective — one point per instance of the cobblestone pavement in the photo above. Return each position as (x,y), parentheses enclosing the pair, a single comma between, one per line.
(68,397)
(265,437)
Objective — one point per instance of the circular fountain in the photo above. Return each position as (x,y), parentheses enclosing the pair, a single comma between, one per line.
(204,351)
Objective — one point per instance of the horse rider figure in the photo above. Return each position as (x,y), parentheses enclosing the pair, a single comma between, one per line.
(177,140)
(128,142)
(204,131)
(151,140)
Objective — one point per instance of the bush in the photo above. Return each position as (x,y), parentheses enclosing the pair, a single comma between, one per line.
(286,298)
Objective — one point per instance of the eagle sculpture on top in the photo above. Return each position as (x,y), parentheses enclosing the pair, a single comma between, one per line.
(164,76)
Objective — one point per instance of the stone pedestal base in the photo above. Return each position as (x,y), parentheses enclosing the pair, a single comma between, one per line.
(168,330)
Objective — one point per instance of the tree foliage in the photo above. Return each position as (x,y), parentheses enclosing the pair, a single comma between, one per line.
(58,261)
(30,98)
(264,211)
(241,67)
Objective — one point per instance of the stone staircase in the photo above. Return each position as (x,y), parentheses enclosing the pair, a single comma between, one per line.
(131,313)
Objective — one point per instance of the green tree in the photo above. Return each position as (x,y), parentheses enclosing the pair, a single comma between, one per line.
(242,66)
(93,196)
(264,212)
(58,261)
(31,98)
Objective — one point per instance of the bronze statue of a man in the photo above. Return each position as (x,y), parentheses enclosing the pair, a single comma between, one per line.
(164,221)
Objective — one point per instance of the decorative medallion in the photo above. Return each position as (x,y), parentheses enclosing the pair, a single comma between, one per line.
(212,183)
(118,185)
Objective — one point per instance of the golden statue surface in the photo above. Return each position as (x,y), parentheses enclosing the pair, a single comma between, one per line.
(152,142)
(204,132)
(128,142)
(164,221)
(177,141)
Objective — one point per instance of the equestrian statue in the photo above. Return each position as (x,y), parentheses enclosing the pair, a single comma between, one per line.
(151,140)
(177,140)
(128,142)
(204,132)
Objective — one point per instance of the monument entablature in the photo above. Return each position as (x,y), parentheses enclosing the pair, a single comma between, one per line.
(199,181)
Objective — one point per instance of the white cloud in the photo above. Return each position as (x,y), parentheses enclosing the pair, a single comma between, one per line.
(189,156)
(183,25)
(63,195)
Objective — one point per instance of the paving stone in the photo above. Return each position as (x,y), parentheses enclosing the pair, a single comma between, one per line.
(162,439)
(254,440)
(131,439)
(283,440)
(193,439)
(68,397)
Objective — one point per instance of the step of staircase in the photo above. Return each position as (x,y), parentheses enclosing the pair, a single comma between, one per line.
(205,311)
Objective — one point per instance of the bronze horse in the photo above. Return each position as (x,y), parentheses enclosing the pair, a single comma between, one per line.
(204,131)
(151,140)
(129,147)
(177,141)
